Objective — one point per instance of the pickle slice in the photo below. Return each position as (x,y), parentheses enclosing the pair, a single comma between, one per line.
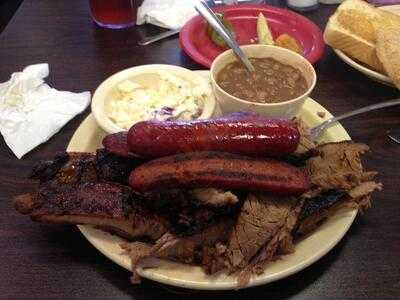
(263,31)
(215,37)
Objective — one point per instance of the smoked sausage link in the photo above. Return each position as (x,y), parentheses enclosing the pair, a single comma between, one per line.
(219,170)
(117,143)
(246,134)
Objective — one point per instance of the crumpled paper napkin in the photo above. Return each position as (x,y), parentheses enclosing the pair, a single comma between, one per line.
(170,14)
(31,111)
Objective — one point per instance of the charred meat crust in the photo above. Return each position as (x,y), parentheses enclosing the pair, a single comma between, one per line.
(111,167)
(320,202)
(75,167)
(66,168)
(220,170)
(186,214)
(100,199)
(45,170)
(77,162)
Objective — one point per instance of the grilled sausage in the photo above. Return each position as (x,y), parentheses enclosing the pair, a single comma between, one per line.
(117,144)
(246,134)
(219,170)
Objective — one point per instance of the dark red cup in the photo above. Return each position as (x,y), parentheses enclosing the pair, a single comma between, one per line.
(114,13)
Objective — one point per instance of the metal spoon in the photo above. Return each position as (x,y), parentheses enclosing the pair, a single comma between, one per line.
(318,130)
(157,37)
(204,10)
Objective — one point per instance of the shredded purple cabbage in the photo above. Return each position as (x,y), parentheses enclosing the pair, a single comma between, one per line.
(166,110)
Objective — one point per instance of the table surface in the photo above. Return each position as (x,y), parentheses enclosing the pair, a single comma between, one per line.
(38,260)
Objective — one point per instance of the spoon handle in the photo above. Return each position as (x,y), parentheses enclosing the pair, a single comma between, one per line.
(204,10)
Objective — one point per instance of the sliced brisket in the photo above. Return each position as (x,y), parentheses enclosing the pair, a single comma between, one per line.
(185,249)
(261,219)
(337,166)
(338,180)
(137,251)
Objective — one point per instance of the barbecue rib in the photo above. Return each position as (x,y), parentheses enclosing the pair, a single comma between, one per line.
(191,212)
(107,205)
(74,190)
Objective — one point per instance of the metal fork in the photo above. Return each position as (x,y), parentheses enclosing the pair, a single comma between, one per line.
(318,130)
(157,37)
(394,135)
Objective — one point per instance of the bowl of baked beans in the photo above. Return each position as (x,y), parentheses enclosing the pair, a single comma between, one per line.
(278,87)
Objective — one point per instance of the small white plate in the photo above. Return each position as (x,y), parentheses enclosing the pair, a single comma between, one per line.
(364,69)
(146,76)
(88,137)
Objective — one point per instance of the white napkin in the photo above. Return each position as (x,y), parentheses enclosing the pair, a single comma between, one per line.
(31,111)
(171,14)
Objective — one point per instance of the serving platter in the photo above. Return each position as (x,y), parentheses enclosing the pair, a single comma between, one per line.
(88,138)
(196,43)
(382,78)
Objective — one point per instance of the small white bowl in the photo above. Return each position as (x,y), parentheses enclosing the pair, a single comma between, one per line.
(146,76)
(288,109)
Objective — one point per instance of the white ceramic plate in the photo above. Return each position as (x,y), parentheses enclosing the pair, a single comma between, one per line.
(362,68)
(88,138)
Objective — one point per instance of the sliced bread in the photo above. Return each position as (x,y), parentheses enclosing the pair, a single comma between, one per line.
(388,52)
(353,30)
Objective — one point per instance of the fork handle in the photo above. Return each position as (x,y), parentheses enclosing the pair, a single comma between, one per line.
(158,37)
(363,110)
(318,130)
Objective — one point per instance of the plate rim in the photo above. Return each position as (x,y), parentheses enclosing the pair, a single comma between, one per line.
(316,52)
(363,69)
(152,274)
